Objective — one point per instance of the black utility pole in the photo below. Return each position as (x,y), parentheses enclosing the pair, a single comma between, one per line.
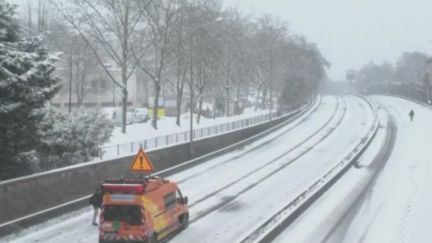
(70,80)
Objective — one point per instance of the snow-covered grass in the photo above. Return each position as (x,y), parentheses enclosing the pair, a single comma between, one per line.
(168,132)
(167,125)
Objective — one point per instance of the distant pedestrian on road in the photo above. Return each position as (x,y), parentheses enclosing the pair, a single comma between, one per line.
(96,201)
(411,115)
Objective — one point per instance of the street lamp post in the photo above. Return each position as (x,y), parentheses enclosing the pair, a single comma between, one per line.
(271,76)
(70,83)
(271,83)
(191,84)
(227,101)
(191,101)
(113,93)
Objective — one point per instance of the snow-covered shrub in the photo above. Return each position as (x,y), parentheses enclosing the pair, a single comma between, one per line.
(294,93)
(73,138)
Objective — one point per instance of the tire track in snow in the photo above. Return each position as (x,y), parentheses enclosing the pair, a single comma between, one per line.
(279,169)
(209,169)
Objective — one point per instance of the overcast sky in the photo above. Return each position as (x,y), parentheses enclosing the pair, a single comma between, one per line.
(351,33)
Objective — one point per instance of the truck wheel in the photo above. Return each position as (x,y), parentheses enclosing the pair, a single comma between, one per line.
(184,221)
(153,239)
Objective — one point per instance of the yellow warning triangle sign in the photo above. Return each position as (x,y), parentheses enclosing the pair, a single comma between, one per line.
(141,163)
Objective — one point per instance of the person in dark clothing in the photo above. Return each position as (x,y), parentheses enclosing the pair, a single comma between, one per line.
(96,201)
(411,115)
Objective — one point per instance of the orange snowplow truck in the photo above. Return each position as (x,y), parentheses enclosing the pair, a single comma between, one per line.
(141,210)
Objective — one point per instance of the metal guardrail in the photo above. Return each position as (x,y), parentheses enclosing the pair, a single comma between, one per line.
(271,228)
(118,150)
(125,149)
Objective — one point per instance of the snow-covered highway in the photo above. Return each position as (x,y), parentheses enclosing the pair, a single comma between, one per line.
(232,194)
(398,204)
(389,198)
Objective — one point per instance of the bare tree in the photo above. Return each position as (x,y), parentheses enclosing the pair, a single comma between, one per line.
(205,26)
(113,25)
(37,18)
(86,72)
(173,43)
(410,67)
(159,18)
(427,80)
(180,65)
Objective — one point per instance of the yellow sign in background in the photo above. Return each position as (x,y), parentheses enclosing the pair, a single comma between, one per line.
(160,112)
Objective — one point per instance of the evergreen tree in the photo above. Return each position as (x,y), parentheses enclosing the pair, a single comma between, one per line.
(8,24)
(26,84)
(293,93)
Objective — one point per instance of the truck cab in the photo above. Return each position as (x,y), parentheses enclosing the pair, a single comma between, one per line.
(141,210)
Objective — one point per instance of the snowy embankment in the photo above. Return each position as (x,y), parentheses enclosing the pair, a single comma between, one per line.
(167,125)
(168,132)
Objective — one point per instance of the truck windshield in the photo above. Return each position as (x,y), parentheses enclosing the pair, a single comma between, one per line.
(125,213)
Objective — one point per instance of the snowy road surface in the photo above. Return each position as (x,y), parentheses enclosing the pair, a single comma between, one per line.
(231,194)
(389,200)
(324,221)
(398,205)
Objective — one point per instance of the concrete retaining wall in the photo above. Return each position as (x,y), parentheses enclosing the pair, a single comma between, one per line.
(27,195)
